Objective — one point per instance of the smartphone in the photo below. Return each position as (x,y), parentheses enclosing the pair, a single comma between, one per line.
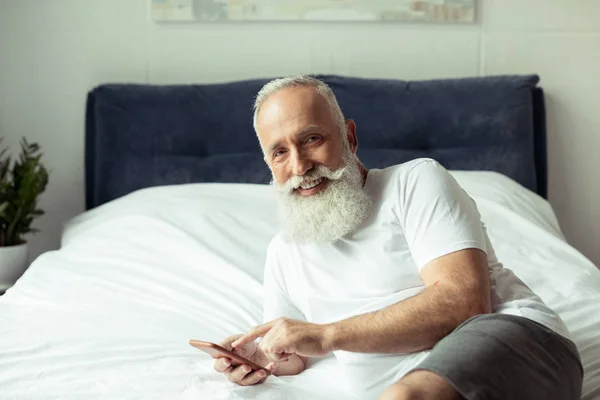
(216,351)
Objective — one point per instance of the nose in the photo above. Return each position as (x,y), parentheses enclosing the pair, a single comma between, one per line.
(300,163)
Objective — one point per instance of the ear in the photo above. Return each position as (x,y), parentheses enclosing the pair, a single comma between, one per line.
(351,135)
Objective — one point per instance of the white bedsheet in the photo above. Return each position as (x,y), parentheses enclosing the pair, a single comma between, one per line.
(110,314)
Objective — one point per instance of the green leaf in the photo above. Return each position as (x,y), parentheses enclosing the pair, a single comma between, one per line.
(21,184)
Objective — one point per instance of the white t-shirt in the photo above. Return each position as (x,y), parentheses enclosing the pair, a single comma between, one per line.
(421,213)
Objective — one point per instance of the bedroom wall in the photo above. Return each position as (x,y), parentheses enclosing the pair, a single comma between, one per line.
(53,52)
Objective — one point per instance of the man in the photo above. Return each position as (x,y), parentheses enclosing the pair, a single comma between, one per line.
(391,270)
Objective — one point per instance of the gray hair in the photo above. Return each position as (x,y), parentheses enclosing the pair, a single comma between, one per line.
(301,81)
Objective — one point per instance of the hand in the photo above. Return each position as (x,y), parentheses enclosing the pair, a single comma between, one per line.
(283,337)
(242,374)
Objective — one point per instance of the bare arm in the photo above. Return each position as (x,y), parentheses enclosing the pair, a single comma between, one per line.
(435,213)
(457,288)
(457,284)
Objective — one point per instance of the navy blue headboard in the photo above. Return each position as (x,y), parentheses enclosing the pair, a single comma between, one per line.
(139,136)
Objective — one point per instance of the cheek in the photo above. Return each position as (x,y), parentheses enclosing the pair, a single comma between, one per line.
(332,158)
(279,174)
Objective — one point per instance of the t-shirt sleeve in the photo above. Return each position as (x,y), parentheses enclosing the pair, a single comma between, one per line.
(437,215)
(277,303)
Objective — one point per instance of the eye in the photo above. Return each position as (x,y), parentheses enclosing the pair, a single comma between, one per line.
(278,153)
(312,139)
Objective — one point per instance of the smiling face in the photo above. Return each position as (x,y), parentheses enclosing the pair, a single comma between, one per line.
(319,180)
(298,131)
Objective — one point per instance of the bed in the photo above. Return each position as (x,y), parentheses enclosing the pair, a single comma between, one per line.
(179,215)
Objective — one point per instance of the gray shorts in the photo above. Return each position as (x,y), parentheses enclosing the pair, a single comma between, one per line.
(498,356)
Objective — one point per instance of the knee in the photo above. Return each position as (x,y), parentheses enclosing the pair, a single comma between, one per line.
(400,391)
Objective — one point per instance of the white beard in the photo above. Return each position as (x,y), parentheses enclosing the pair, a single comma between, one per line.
(335,211)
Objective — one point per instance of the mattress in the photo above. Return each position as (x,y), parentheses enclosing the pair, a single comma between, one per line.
(110,313)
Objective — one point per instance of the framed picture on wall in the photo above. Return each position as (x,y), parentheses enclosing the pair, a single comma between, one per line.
(452,11)
(172,10)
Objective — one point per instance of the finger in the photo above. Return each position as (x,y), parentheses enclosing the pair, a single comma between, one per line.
(254,333)
(238,373)
(253,378)
(226,343)
(271,366)
(221,364)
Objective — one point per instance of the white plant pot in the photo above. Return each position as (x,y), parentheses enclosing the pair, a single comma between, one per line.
(13,262)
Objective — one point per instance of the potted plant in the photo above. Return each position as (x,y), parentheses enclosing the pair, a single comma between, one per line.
(21,183)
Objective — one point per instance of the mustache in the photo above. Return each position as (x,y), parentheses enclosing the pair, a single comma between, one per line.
(320,171)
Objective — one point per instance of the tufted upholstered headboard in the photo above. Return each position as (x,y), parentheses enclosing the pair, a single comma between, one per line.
(139,136)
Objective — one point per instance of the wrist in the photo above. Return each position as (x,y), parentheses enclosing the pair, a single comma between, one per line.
(330,337)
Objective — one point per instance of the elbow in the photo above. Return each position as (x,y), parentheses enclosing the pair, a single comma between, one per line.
(475,306)
(459,315)
(479,309)
(463,304)
(485,303)
(477,299)
(462,314)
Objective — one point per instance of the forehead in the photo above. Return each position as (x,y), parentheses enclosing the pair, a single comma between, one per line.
(290,111)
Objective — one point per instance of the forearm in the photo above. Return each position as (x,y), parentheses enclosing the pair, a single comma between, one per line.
(411,325)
